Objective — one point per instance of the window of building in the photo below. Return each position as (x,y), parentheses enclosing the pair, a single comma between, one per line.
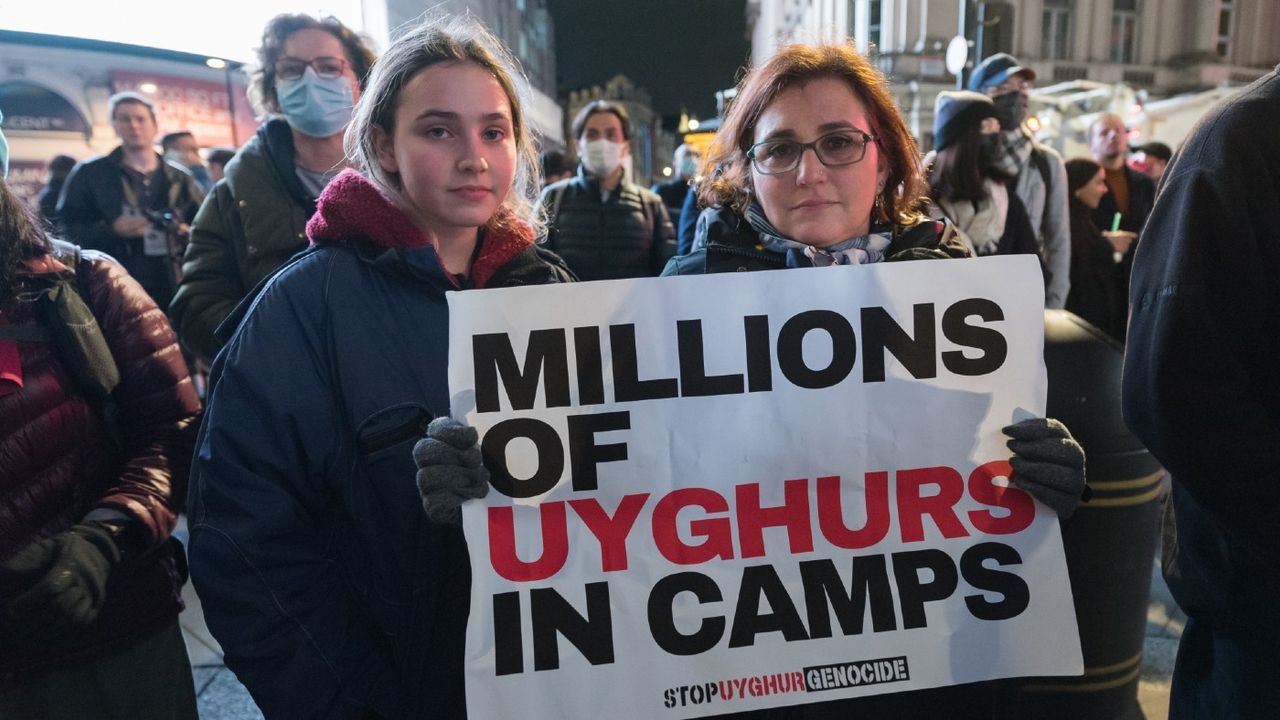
(875,15)
(1124,31)
(1055,30)
(1226,13)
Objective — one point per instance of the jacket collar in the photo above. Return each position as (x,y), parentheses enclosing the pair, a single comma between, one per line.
(353,209)
(276,139)
(592,183)
(172,171)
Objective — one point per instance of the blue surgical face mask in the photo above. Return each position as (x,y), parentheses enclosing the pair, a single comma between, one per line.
(316,106)
(4,152)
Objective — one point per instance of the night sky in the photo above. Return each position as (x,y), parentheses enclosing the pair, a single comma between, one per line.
(680,51)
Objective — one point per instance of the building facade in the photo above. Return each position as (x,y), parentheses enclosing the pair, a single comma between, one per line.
(525,26)
(1160,47)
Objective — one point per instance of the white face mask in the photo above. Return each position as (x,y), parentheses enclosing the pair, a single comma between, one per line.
(602,157)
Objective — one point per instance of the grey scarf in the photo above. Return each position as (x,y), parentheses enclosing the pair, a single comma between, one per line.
(859,250)
(1017,147)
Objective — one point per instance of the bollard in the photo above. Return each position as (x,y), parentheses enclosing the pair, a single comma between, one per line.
(1110,541)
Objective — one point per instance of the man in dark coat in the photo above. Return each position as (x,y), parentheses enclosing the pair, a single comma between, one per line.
(1129,193)
(674,191)
(1202,390)
(604,226)
(131,203)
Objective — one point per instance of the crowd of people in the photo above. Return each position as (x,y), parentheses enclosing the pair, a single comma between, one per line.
(305,273)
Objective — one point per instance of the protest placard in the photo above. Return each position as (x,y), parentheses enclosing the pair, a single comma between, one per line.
(751,490)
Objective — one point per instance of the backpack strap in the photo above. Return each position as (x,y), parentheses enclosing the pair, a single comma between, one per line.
(650,226)
(77,338)
(1041,162)
(557,197)
(553,212)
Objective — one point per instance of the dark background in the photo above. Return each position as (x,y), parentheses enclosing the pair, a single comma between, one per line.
(680,51)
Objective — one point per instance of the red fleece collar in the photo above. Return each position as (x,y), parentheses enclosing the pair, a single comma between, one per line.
(351,207)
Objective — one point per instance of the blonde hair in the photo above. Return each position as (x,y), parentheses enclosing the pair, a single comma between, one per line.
(439,40)
(729,171)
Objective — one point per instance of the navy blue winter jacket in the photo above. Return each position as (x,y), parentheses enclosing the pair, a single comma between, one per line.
(328,589)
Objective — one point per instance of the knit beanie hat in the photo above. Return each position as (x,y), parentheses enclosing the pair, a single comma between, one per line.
(955,111)
(1157,150)
(1080,171)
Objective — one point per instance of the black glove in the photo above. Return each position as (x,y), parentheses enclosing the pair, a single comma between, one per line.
(1047,463)
(62,583)
(450,470)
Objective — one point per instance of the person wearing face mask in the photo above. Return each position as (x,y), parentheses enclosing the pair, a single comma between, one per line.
(674,191)
(603,225)
(967,180)
(310,74)
(1039,177)
(181,147)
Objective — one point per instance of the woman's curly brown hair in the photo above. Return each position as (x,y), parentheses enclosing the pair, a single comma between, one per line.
(262,88)
(728,171)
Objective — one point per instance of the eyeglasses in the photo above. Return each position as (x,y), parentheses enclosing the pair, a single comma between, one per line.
(326,67)
(835,149)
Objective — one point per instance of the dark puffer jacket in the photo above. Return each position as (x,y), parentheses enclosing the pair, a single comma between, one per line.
(254,220)
(57,462)
(627,236)
(320,575)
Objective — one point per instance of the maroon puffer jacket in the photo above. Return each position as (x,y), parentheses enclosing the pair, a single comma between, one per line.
(57,462)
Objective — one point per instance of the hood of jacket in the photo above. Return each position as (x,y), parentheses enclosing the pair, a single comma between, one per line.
(352,208)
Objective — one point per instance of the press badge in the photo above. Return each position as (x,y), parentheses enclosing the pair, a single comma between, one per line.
(155,243)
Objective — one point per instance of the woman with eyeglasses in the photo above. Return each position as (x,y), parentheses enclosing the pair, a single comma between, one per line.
(310,74)
(819,169)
